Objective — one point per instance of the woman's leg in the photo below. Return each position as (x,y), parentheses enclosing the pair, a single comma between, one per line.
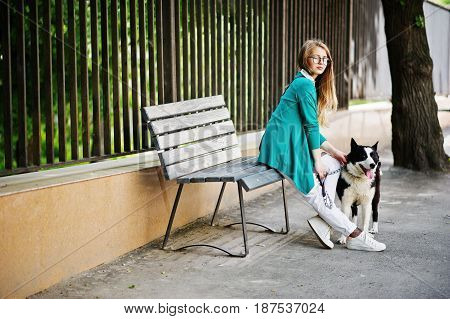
(357,240)
(327,209)
(332,215)
(334,170)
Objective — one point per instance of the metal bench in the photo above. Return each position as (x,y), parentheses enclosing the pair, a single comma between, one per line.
(196,142)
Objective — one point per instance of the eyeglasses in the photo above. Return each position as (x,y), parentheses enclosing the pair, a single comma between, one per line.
(316,59)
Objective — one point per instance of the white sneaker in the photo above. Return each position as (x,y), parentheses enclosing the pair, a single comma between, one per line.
(365,242)
(322,231)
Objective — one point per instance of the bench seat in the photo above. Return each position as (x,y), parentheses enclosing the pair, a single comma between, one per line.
(197,143)
(247,169)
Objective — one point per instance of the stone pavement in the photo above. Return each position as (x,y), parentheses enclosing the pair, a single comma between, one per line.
(414,223)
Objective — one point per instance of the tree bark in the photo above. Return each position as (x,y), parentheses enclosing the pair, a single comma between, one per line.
(417,140)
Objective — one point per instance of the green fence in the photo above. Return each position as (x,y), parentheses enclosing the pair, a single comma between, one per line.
(74,74)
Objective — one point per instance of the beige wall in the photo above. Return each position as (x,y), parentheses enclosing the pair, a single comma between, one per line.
(51,233)
(367,127)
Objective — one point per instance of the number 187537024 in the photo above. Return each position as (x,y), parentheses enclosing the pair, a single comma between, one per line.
(289,307)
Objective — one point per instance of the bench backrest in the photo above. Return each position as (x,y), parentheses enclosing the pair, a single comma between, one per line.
(192,135)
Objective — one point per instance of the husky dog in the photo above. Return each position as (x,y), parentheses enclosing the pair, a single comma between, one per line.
(359,185)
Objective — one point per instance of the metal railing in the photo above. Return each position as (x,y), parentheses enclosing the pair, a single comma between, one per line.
(74,74)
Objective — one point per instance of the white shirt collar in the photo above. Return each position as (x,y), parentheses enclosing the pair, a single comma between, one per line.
(307,75)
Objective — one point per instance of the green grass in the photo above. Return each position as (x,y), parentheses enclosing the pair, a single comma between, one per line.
(442,2)
(360,101)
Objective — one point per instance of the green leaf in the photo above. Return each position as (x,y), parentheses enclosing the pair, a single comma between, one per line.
(420,21)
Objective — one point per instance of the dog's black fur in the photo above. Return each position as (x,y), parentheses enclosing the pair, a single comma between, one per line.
(359,185)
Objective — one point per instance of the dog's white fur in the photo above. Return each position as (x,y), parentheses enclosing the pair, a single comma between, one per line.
(361,192)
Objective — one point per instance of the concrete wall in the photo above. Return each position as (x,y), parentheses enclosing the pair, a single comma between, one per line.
(437,24)
(60,226)
(51,232)
(365,125)
(371,77)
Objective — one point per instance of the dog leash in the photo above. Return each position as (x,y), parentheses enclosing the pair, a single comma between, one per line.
(322,183)
(335,171)
(326,197)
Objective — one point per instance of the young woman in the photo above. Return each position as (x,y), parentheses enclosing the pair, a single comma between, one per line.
(293,145)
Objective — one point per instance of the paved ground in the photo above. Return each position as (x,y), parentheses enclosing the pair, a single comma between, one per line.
(414,223)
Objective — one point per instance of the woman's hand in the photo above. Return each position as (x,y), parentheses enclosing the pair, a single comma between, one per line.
(334,152)
(320,169)
(340,156)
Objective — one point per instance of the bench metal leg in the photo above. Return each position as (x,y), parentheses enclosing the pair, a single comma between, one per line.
(244,224)
(243,220)
(218,202)
(286,217)
(172,215)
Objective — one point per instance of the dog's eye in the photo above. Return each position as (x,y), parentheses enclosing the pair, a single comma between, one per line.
(374,155)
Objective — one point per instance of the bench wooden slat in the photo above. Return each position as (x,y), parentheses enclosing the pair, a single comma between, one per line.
(257,168)
(189,121)
(211,170)
(224,171)
(195,134)
(261,179)
(183,107)
(185,152)
(198,163)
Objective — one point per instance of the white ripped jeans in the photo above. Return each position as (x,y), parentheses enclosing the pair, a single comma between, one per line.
(328,210)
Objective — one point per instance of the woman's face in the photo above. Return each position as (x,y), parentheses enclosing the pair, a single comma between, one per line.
(317,61)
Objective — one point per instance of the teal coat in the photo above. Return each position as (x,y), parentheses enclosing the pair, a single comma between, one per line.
(292,132)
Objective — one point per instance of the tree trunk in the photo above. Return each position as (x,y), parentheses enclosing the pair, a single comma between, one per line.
(417,141)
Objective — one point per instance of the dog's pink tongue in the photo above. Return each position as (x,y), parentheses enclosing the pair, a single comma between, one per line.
(369,173)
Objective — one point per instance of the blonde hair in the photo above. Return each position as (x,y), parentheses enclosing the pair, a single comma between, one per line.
(326,89)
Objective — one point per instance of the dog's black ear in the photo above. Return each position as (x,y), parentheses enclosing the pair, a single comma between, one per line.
(375,146)
(353,144)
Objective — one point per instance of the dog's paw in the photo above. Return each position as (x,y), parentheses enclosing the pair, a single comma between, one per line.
(342,240)
(374,229)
